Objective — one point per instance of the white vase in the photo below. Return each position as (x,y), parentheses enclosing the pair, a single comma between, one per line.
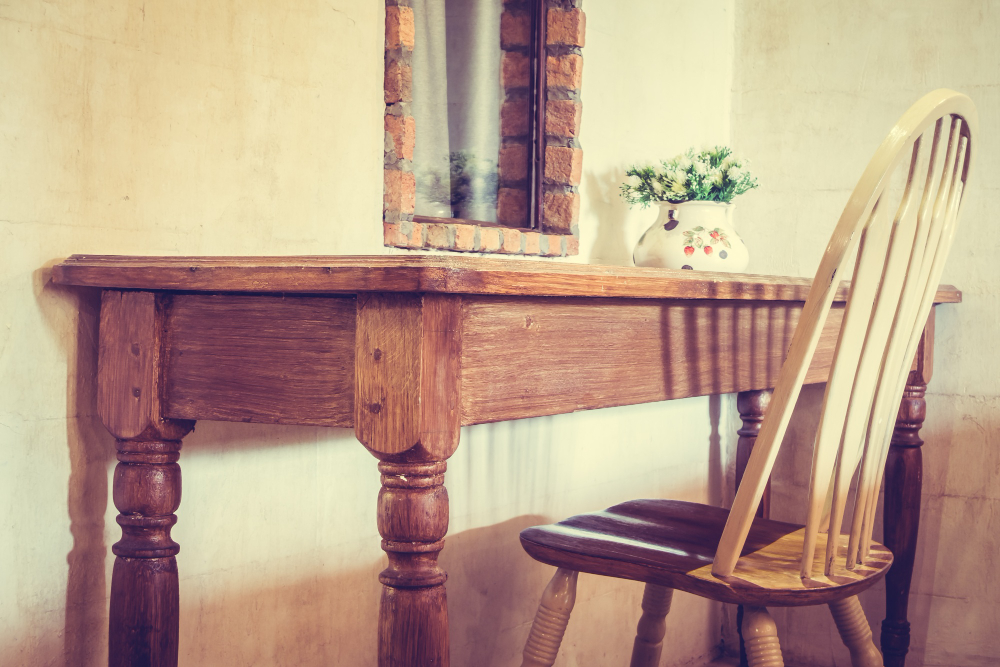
(696,235)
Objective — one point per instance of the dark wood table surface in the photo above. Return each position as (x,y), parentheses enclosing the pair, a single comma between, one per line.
(406,350)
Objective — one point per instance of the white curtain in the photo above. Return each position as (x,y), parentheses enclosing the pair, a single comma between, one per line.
(456,106)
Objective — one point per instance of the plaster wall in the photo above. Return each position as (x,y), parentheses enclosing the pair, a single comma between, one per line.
(256,128)
(816,87)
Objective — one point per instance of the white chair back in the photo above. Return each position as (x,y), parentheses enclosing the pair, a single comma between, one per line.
(894,255)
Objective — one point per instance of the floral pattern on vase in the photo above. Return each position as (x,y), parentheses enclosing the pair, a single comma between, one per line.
(694,236)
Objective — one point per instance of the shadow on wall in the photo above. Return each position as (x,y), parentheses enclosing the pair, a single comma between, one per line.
(610,245)
(493,592)
(90,454)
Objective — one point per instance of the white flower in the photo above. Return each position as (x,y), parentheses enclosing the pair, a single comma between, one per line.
(657,187)
(735,173)
(715,177)
(684,162)
(700,168)
(634,182)
(679,188)
(678,176)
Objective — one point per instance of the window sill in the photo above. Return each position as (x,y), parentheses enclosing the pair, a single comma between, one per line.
(462,236)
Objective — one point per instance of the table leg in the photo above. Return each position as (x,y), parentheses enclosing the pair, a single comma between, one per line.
(901,519)
(143,624)
(407,402)
(413,520)
(751,405)
(144,591)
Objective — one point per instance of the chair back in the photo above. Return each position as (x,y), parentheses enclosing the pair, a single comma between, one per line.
(894,255)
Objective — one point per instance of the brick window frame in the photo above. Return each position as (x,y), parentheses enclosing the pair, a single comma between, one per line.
(556,171)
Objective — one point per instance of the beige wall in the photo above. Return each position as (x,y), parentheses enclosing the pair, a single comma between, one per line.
(816,87)
(255,128)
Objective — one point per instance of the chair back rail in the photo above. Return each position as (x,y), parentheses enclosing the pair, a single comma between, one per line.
(895,255)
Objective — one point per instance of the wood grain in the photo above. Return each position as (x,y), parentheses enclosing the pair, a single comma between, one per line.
(407,374)
(387,372)
(264,359)
(128,367)
(426,273)
(525,357)
(145,605)
(672,543)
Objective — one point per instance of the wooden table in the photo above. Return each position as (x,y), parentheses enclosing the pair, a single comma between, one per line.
(406,350)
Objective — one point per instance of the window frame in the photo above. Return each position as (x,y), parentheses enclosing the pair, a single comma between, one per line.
(551,34)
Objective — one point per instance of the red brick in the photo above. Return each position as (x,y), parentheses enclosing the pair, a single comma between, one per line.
(562,117)
(416,238)
(515,71)
(437,235)
(572,246)
(513,163)
(514,118)
(566,27)
(564,71)
(515,30)
(391,234)
(551,246)
(403,130)
(532,243)
(489,239)
(512,207)
(563,165)
(398,83)
(465,237)
(400,191)
(511,240)
(398,27)
(561,211)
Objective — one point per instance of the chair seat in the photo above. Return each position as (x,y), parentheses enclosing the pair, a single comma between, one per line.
(672,543)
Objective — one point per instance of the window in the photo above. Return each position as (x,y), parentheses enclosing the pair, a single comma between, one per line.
(482,122)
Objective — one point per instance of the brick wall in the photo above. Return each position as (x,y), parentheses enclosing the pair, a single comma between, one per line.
(562,162)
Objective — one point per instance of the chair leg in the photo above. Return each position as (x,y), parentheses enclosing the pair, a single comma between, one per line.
(855,631)
(551,620)
(652,626)
(760,635)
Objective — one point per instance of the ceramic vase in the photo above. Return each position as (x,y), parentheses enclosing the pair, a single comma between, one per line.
(697,235)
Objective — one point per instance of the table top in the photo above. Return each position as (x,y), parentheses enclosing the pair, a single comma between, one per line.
(427,273)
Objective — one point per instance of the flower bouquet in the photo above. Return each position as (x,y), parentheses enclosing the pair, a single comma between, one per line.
(715,174)
(694,192)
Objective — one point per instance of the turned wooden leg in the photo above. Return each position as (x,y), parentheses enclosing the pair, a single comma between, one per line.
(144,592)
(551,620)
(901,520)
(652,626)
(761,636)
(751,405)
(143,621)
(413,520)
(855,631)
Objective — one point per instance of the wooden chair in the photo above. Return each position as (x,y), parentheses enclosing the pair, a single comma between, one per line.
(895,255)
